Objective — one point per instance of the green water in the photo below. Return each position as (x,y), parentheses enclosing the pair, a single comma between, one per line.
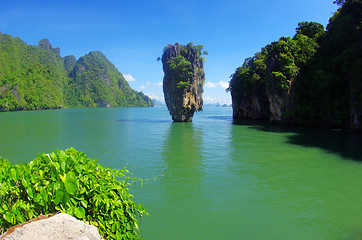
(215,178)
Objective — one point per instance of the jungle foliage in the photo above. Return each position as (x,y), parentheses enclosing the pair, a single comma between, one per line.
(280,61)
(37,77)
(326,64)
(67,181)
(331,86)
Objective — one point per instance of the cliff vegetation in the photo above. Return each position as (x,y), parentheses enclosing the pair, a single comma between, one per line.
(314,78)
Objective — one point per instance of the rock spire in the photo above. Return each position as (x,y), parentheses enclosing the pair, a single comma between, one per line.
(183,80)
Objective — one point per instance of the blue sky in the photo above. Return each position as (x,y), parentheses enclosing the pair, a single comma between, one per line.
(132,34)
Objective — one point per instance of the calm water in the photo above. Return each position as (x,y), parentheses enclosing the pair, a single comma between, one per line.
(214,179)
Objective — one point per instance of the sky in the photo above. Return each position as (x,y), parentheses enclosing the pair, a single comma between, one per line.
(133,33)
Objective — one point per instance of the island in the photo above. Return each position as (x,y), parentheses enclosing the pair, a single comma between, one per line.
(313,78)
(37,77)
(183,80)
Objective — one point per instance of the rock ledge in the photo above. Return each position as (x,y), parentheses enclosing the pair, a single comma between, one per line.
(57,227)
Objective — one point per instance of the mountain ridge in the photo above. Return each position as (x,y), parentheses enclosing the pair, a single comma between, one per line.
(37,77)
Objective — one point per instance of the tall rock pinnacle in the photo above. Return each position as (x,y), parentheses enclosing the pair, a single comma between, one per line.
(183,81)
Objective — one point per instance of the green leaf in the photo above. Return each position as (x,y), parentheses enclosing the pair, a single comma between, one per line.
(25,182)
(30,191)
(44,195)
(20,218)
(84,203)
(70,183)
(79,212)
(8,216)
(30,214)
(114,227)
(5,207)
(62,177)
(41,173)
(118,235)
(61,196)
(78,168)
(37,198)
(15,210)
(63,164)
(57,167)
(70,211)
(14,174)
(57,185)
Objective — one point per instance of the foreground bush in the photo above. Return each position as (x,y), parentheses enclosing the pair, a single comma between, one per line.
(67,181)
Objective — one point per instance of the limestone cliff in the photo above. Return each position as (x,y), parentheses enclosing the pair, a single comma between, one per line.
(251,104)
(38,77)
(183,80)
(314,78)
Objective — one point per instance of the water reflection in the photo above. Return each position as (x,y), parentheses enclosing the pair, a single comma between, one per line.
(183,173)
(274,191)
(347,145)
(290,181)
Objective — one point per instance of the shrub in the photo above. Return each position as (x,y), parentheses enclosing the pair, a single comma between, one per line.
(182,84)
(67,181)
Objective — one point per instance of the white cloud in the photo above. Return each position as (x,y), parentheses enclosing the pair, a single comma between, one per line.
(148,83)
(129,78)
(143,87)
(210,84)
(158,84)
(222,84)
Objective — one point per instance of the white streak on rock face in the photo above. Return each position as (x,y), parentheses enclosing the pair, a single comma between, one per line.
(59,227)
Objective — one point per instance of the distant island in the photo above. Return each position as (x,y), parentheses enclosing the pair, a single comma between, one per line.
(37,77)
(314,78)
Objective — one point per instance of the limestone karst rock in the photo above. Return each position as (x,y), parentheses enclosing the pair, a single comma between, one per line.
(183,80)
(38,77)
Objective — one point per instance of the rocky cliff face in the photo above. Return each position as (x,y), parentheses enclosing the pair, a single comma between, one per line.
(252,104)
(311,79)
(261,88)
(183,80)
(45,44)
(278,96)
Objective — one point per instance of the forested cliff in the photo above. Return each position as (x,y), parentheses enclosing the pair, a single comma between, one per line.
(37,77)
(314,78)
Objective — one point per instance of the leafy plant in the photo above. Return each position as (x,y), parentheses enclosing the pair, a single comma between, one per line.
(181,67)
(67,181)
